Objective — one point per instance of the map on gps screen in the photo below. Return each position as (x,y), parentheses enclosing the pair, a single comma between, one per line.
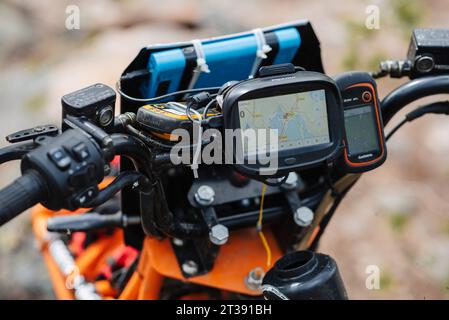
(300,118)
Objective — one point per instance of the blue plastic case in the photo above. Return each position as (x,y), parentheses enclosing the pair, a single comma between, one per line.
(229,58)
(172,67)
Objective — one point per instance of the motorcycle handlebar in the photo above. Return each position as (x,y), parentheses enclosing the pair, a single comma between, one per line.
(20,195)
(412,91)
(30,189)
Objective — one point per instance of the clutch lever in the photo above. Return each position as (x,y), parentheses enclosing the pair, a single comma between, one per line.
(90,221)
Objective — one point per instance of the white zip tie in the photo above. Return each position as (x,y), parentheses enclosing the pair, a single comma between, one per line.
(220,101)
(201,63)
(197,144)
(262,49)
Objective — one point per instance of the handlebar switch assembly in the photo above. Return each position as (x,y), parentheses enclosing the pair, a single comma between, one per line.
(71,166)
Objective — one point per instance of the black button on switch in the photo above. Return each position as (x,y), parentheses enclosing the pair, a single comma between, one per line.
(59,158)
(291,160)
(85,197)
(81,152)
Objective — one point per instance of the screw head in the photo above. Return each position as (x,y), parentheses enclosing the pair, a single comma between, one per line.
(190,267)
(219,234)
(303,216)
(205,195)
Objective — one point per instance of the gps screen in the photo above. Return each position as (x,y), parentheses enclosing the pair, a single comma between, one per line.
(361,130)
(300,120)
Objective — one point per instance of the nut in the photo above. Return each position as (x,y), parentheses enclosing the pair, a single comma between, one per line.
(254,279)
(205,195)
(219,234)
(303,216)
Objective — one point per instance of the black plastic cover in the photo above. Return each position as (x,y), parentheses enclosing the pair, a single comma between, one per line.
(89,102)
(304,275)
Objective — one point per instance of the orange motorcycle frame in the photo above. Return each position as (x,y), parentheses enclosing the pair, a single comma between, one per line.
(157,261)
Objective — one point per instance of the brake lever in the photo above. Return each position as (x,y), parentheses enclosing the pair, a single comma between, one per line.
(15,151)
(90,221)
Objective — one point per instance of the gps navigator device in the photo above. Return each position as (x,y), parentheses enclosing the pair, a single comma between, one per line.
(365,147)
(302,109)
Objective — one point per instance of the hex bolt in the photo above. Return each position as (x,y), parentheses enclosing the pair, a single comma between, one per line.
(245,203)
(190,267)
(303,216)
(219,234)
(254,279)
(205,195)
(291,182)
(178,242)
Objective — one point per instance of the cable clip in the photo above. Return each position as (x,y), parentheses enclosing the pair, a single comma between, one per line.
(201,63)
(262,49)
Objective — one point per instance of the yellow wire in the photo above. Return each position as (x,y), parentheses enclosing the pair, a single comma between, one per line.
(267,247)
(259,226)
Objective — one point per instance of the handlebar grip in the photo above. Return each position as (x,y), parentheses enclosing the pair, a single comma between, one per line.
(20,195)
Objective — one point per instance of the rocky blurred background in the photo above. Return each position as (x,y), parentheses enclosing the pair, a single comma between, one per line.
(396,218)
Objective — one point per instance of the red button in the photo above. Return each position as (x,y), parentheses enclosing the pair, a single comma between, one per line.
(366,96)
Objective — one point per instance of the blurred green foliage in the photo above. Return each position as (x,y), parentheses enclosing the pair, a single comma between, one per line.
(409,13)
(36,102)
(398,221)
(386,280)
(445,227)
(404,15)
(357,34)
